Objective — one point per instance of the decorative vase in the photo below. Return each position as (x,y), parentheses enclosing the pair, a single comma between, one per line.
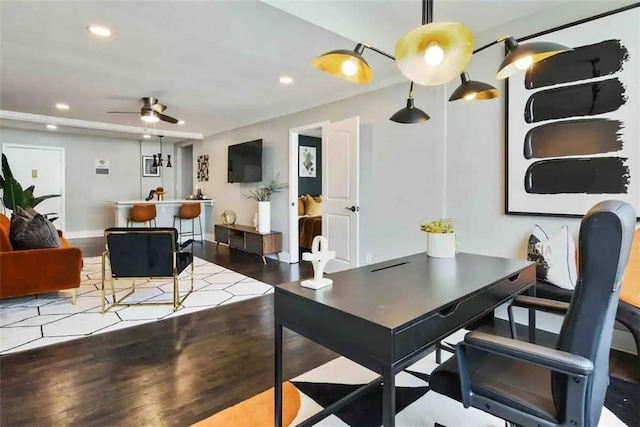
(441,245)
(264,217)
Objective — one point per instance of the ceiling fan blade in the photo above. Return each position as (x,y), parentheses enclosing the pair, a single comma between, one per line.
(158,107)
(123,112)
(168,119)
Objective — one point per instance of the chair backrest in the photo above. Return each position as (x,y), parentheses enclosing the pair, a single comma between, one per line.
(142,213)
(605,238)
(5,242)
(141,252)
(189,210)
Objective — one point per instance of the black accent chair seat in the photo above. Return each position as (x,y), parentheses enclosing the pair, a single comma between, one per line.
(532,385)
(144,253)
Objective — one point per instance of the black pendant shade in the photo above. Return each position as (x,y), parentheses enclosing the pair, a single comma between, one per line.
(347,64)
(410,114)
(522,56)
(472,90)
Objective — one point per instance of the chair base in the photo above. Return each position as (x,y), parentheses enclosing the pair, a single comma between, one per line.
(191,233)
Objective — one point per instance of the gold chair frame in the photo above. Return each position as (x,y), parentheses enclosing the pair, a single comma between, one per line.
(177,301)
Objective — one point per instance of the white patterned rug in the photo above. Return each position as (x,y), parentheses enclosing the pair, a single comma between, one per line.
(35,321)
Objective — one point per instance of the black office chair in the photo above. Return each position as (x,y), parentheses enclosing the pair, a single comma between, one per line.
(531,385)
(137,253)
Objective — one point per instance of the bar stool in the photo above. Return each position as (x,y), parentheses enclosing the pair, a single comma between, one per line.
(142,213)
(189,211)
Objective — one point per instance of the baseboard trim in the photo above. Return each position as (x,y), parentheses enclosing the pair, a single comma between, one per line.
(83,234)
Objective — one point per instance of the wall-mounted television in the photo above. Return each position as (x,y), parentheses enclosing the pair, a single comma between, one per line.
(245,162)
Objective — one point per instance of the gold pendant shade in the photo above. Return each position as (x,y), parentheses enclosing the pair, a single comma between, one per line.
(346,64)
(453,38)
(522,56)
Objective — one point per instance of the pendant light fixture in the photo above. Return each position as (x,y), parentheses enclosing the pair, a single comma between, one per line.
(472,90)
(157,158)
(410,114)
(434,54)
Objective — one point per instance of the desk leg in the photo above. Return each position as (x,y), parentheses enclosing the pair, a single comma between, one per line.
(278,374)
(388,397)
(532,319)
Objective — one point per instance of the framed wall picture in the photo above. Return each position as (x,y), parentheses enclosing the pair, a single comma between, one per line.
(203,168)
(308,162)
(148,170)
(572,137)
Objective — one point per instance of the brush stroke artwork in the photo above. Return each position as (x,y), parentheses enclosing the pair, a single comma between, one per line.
(581,63)
(595,175)
(586,99)
(573,138)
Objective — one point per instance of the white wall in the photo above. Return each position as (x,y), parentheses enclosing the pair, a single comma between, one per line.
(475,154)
(402,168)
(88,199)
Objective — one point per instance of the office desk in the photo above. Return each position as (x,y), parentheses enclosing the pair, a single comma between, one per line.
(387,316)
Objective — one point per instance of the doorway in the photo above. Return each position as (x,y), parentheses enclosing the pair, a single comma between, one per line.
(43,167)
(324,170)
(184,178)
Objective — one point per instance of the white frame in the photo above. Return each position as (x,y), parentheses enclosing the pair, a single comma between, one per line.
(62,223)
(294,256)
(144,173)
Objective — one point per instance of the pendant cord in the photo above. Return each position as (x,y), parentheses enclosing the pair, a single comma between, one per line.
(411,90)
(427,12)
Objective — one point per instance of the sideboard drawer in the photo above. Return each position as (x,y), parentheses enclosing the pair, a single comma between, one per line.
(236,242)
(221,235)
(254,246)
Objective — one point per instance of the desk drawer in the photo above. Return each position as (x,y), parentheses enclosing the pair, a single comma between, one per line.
(440,324)
(511,286)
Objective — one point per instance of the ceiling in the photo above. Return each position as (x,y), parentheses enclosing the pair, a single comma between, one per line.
(215,64)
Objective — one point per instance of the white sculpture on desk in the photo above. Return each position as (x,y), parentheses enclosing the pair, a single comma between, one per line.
(319,257)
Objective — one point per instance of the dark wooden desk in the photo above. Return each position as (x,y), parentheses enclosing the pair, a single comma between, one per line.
(389,315)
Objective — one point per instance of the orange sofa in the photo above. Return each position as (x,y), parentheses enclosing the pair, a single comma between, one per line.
(37,271)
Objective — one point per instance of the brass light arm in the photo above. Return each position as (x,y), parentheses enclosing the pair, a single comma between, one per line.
(427,12)
(381,52)
(500,40)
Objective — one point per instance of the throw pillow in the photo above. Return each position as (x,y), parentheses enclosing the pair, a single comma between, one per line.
(555,257)
(301,206)
(30,230)
(630,292)
(314,208)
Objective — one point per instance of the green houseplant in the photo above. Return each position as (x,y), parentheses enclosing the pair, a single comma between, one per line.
(441,238)
(263,195)
(15,196)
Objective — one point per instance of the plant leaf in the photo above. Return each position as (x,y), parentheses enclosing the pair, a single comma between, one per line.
(37,200)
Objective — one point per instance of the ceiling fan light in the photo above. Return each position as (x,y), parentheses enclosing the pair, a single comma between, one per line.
(149,117)
(434,53)
(410,114)
(522,56)
(346,64)
(473,90)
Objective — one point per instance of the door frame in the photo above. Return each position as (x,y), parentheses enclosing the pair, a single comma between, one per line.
(178,154)
(61,224)
(294,133)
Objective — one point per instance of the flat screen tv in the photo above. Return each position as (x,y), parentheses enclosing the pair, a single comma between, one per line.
(245,162)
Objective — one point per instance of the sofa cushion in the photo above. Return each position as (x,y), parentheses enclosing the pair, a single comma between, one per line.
(555,257)
(313,205)
(5,242)
(630,292)
(30,230)
(301,205)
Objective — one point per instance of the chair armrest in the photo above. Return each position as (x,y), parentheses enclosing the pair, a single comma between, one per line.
(185,244)
(541,304)
(555,360)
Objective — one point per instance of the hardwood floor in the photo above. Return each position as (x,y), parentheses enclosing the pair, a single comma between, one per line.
(169,373)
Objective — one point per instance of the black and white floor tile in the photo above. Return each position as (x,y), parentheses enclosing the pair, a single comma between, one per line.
(415,404)
(35,321)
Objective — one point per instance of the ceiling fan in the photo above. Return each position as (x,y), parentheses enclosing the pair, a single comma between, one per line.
(151,111)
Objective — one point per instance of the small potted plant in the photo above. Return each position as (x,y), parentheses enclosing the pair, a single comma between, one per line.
(441,238)
(263,195)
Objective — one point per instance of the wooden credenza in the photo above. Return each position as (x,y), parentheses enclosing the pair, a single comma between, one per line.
(249,240)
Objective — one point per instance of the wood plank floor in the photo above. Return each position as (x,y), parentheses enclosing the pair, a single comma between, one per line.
(169,373)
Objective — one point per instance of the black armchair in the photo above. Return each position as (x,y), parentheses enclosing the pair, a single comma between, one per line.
(149,253)
(532,385)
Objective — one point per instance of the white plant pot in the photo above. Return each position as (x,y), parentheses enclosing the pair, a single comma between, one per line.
(441,245)
(264,217)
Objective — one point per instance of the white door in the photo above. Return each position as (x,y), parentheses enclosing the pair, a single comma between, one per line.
(341,192)
(44,168)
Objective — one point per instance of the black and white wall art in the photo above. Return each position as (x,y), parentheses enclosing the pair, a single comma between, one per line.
(203,168)
(573,134)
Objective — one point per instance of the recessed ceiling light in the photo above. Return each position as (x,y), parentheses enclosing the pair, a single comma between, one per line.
(146,136)
(180,122)
(99,30)
(286,80)
(52,127)
(62,106)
